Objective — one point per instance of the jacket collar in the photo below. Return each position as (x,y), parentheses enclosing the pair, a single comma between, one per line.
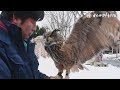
(14,31)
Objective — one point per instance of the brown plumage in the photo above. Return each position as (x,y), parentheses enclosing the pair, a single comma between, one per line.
(88,37)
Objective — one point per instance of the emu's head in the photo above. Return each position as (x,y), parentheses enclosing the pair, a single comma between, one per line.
(53,38)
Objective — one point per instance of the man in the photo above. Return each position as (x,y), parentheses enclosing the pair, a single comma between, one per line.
(17,58)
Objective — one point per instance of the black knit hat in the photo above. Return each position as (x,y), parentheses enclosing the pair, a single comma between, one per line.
(36,15)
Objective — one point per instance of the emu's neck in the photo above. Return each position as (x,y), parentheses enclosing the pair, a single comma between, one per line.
(55,52)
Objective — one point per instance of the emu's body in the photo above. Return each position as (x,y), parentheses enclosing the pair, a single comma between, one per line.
(88,37)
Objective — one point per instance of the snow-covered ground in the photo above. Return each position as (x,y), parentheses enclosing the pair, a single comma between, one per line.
(46,65)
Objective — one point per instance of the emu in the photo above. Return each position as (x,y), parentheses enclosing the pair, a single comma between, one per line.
(88,37)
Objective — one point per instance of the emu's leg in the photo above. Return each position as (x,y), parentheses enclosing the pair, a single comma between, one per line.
(60,71)
(59,75)
(67,74)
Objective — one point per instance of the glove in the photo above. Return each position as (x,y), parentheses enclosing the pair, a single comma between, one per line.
(55,77)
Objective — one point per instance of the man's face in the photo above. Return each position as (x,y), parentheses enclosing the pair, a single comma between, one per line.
(28,27)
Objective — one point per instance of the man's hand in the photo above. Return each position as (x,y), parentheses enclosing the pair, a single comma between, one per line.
(55,77)
(51,77)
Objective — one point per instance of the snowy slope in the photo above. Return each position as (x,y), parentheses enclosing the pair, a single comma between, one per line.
(46,65)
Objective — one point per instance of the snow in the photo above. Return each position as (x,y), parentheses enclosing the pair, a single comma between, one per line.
(47,66)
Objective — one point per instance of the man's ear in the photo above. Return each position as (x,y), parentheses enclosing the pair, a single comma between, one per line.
(13,20)
(16,21)
(54,32)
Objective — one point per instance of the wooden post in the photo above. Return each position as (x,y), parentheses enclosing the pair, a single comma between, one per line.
(112,50)
(117,51)
(118,48)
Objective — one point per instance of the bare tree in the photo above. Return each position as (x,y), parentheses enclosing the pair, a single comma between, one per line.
(78,14)
(62,20)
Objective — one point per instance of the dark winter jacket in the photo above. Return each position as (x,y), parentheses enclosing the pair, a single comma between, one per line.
(15,61)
